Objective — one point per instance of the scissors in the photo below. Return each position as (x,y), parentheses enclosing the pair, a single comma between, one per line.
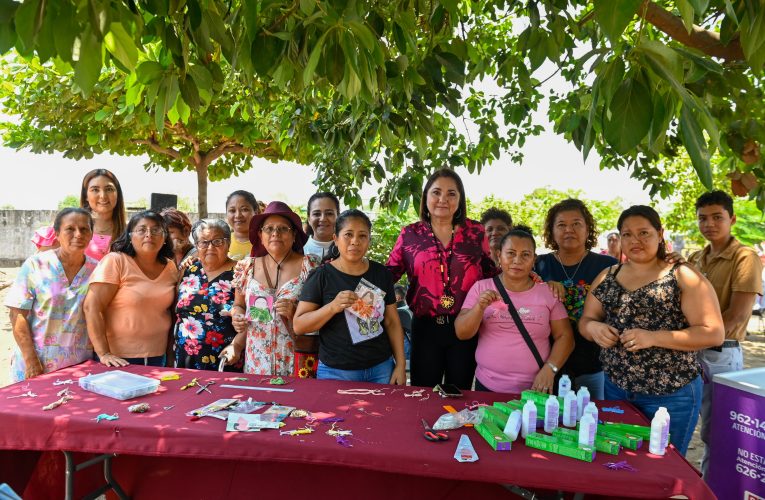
(205,387)
(432,435)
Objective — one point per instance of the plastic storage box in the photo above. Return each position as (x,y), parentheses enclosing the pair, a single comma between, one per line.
(119,385)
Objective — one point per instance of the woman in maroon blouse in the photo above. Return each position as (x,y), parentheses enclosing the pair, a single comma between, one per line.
(443,255)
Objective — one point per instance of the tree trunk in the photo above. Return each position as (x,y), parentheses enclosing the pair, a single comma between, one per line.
(201,170)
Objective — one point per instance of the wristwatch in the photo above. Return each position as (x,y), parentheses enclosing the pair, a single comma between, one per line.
(553,368)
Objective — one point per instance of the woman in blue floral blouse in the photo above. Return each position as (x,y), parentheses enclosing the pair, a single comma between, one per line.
(205,291)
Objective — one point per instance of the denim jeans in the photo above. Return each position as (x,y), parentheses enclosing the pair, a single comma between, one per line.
(407,348)
(378,374)
(683,407)
(730,359)
(593,382)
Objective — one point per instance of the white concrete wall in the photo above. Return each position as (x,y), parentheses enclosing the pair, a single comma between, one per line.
(18,226)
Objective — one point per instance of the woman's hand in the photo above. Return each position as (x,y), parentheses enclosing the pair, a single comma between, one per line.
(33,368)
(110,359)
(544,380)
(636,339)
(343,301)
(187,263)
(238,320)
(675,257)
(230,354)
(557,289)
(285,307)
(398,377)
(487,297)
(602,334)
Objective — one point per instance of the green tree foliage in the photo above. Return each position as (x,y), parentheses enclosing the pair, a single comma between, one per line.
(69,201)
(532,209)
(187,205)
(373,91)
(386,226)
(216,141)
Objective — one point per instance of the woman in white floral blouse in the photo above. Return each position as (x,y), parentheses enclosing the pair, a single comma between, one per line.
(268,284)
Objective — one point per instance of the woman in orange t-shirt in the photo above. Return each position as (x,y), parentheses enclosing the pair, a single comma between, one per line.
(127,308)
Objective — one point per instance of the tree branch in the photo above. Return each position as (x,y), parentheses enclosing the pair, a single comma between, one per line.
(153,144)
(179,130)
(706,41)
(221,149)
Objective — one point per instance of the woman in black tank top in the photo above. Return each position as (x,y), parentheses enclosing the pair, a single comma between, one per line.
(650,317)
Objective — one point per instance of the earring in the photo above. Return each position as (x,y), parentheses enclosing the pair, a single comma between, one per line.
(457,214)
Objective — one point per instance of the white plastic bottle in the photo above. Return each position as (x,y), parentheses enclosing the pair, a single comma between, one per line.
(513,425)
(665,432)
(658,425)
(592,410)
(587,429)
(529,420)
(552,412)
(582,398)
(659,432)
(569,409)
(564,386)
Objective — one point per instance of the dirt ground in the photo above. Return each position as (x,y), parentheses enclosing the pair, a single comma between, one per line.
(754,354)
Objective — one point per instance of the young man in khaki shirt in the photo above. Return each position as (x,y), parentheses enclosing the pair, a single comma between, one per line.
(735,272)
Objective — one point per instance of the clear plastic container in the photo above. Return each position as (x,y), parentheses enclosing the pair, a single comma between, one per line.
(119,385)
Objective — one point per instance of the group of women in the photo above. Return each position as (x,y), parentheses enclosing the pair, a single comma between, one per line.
(259,293)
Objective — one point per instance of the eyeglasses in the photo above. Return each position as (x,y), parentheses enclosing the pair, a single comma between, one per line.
(642,236)
(279,230)
(217,242)
(143,230)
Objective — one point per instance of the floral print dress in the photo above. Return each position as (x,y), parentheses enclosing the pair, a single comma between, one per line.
(200,331)
(269,349)
(55,312)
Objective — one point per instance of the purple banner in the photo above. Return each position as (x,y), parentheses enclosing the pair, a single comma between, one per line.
(737,463)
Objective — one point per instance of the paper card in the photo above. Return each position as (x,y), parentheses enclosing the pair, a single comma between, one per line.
(260,308)
(465,451)
(365,317)
(248,406)
(368,296)
(277,413)
(243,422)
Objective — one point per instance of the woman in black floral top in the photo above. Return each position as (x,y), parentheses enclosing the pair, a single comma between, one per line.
(650,317)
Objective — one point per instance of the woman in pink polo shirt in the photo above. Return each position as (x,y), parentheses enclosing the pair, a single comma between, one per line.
(101,195)
(505,361)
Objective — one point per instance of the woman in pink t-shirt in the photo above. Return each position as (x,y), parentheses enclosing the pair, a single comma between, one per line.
(505,362)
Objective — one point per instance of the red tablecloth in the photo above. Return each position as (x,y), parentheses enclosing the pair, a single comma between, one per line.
(387,442)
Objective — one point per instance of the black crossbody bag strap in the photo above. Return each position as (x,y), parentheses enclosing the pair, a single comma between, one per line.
(518,321)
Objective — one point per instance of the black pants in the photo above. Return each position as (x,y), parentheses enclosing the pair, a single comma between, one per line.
(437,352)
(480,387)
